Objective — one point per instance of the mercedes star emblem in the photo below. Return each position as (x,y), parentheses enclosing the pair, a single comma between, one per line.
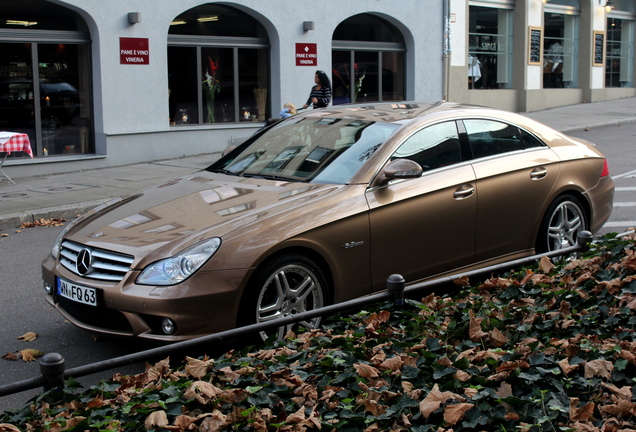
(84,260)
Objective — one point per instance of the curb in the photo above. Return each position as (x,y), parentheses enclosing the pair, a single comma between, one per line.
(68,211)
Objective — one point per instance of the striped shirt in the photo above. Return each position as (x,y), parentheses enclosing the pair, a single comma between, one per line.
(323,95)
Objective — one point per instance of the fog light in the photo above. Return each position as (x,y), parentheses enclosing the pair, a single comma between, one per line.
(168,326)
(48,288)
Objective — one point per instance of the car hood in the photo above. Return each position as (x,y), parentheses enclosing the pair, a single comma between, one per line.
(171,216)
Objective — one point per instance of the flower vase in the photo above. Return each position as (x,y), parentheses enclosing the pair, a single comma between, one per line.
(211,111)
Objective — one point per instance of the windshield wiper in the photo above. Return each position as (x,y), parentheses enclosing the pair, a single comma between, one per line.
(224,171)
(273,177)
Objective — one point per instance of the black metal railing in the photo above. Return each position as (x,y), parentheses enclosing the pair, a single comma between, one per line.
(52,364)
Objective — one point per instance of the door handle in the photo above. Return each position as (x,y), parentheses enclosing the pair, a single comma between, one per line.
(464,192)
(538,173)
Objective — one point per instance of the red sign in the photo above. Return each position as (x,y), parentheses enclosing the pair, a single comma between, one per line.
(134,51)
(306,54)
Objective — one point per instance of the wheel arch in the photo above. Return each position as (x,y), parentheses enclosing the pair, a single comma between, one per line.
(578,194)
(306,251)
(581,196)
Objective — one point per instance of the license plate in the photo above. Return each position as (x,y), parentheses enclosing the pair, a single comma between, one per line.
(78,293)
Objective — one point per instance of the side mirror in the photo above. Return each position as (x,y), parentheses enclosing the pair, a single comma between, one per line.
(398,169)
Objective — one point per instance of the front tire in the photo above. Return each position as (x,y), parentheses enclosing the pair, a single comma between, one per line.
(562,224)
(288,284)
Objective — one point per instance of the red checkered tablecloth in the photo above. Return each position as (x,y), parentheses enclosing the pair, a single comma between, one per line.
(15,142)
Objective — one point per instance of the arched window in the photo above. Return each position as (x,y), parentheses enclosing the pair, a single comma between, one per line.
(368,58)
(218,67)
(45,77)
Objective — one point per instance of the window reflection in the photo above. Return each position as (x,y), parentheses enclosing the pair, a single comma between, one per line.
(316,149)
(433,147)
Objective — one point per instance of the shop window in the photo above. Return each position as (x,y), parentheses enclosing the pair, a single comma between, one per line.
(45,78)
(560,50)
(490,48)
(218,67)
(619,57)
(368,61)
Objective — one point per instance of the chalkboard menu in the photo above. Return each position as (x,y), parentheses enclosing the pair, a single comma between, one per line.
(536,43)
(599,48)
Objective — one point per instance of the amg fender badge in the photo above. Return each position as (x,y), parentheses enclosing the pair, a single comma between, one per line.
(352,244)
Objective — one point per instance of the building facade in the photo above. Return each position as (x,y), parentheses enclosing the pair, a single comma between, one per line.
(97,84)
(527,55)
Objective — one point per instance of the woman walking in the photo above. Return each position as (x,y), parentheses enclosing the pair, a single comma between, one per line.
(320,94)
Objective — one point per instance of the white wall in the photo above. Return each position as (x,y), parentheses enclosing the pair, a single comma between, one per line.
(133,99)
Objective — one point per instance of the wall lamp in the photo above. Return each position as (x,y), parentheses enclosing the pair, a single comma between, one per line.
(609,6)
(134,17)
(308,25)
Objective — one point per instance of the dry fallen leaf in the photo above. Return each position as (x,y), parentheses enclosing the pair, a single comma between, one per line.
(10,356)
(366,371)
(157,419)
(566,367)
(202,391)
(28,337)
(599,367)
(6,427)
(545,265)
(4,235)
(454,413)
(474,330)
(433,401)
(30,354)
(44,223)
(198,368)
(580,414)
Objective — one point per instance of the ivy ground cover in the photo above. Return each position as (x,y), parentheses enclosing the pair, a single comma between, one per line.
(549,347)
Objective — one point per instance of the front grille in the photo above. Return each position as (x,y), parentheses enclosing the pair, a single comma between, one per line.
(95,316)
(103,265)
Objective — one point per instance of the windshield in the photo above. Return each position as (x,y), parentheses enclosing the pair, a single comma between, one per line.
(310,149)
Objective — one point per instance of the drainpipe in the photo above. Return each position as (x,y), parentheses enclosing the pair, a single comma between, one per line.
(446,51)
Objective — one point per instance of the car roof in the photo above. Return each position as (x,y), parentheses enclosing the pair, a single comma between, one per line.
(399,112)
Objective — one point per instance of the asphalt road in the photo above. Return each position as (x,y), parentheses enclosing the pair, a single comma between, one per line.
(618,143)
(23,309)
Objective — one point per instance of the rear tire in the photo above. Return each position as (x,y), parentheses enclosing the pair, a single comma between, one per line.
(287,284)
(561,225)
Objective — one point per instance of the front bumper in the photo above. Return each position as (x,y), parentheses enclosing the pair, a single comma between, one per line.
(206,303)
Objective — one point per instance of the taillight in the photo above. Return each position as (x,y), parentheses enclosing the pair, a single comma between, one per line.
(605,171)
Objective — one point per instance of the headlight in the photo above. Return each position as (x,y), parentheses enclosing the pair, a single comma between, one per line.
(171,271)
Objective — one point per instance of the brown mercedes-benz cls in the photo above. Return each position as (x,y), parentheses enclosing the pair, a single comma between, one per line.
(320,208)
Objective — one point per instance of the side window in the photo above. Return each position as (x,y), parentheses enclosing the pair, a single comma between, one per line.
(433,147)
(488,137)
(530,141)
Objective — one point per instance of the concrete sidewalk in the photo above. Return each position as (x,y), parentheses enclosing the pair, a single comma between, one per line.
(70,194)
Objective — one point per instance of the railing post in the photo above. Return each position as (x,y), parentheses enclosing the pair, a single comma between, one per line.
(52,368)
(395,284)
(584,239)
